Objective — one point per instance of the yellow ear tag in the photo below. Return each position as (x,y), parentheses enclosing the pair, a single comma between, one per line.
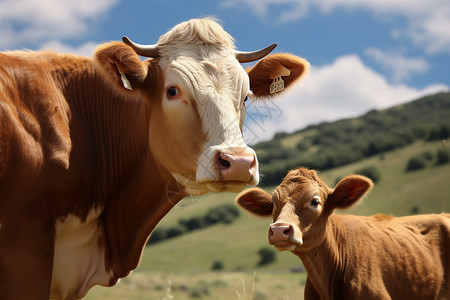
(278,82)
(277,85)
(125,81)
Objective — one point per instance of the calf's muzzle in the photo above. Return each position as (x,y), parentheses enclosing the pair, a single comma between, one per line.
(283,235)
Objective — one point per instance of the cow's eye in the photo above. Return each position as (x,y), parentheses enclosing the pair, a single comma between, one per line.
(172,91)
(315,201)
(246,98)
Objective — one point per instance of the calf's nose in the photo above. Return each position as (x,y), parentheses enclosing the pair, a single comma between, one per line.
(280,233)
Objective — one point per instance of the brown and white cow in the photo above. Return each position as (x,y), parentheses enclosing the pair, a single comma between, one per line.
(354,257)
(94,152)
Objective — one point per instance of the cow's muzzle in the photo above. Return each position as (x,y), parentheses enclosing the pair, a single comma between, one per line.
(236,164)
(226,168)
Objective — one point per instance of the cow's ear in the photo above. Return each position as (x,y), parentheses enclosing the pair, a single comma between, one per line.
(275,73)
(348,191)
(121,66)
(257,201)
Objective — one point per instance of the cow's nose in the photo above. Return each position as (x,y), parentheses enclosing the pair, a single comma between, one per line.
(238,164)
(280,232)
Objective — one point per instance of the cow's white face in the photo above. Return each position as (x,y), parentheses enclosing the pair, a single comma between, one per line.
(203,102)
(197,88)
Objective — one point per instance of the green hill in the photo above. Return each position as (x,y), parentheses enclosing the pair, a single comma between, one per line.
(329,145)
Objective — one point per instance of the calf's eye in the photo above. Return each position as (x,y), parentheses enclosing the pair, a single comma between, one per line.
(315,201)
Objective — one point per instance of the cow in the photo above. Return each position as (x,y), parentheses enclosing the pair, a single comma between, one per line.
(354,257)
(95,151)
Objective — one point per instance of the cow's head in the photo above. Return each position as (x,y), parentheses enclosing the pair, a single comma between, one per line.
(197,90)
(301,206)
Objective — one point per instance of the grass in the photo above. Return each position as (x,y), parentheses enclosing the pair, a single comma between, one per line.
(186,261)
(204,285)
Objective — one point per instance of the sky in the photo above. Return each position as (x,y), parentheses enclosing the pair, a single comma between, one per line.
(364,54)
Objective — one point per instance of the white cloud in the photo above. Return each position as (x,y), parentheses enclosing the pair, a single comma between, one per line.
(30,21)
(294,9)
(346,88)
(433,31)
(400,66)
(428,22)
(86,49)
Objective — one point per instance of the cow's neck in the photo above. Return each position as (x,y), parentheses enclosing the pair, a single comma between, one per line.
(325,263)
(134,191)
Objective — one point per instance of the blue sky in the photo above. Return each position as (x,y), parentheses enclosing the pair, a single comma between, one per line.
(364,54)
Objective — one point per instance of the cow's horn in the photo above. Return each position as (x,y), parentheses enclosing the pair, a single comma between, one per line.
(244,57)
(142,50)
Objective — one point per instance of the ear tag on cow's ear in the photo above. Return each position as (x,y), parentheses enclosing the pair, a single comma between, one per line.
(126,83)
(277,85)
(278,82)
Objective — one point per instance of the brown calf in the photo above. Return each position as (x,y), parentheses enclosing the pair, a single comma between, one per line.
(354,257)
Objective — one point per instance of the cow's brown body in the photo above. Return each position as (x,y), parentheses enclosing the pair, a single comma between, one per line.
(355,257)
(88,167)
(65,152)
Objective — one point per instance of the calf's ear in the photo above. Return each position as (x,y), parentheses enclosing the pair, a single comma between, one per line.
(349,190)
(275,73)
(256,201)
(121,66)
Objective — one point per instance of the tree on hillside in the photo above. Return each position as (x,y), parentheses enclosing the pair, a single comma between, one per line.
(443,156)
(267,255)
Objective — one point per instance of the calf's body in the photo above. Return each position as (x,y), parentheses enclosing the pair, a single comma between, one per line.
(380,257)
(354,257)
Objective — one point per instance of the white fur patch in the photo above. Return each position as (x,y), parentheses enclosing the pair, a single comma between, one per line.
(79,258)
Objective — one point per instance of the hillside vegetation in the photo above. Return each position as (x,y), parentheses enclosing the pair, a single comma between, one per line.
(329,145)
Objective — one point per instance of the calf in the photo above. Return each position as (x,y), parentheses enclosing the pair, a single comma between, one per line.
(354,257)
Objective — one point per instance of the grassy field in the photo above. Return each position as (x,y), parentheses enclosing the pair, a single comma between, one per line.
(205,285)
(180,268)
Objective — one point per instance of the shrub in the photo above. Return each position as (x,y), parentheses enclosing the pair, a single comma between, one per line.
(416,163)
(267,255)
(199,291)
(221,214)
(443,156)
(226,214)
(439,132)
(415,210)
(302,146)
(158,235)
(193,223)
(217,265)
(419,161)
(175,231)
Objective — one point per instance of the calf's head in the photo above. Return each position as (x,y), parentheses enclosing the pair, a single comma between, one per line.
(197,90)
(301,206)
